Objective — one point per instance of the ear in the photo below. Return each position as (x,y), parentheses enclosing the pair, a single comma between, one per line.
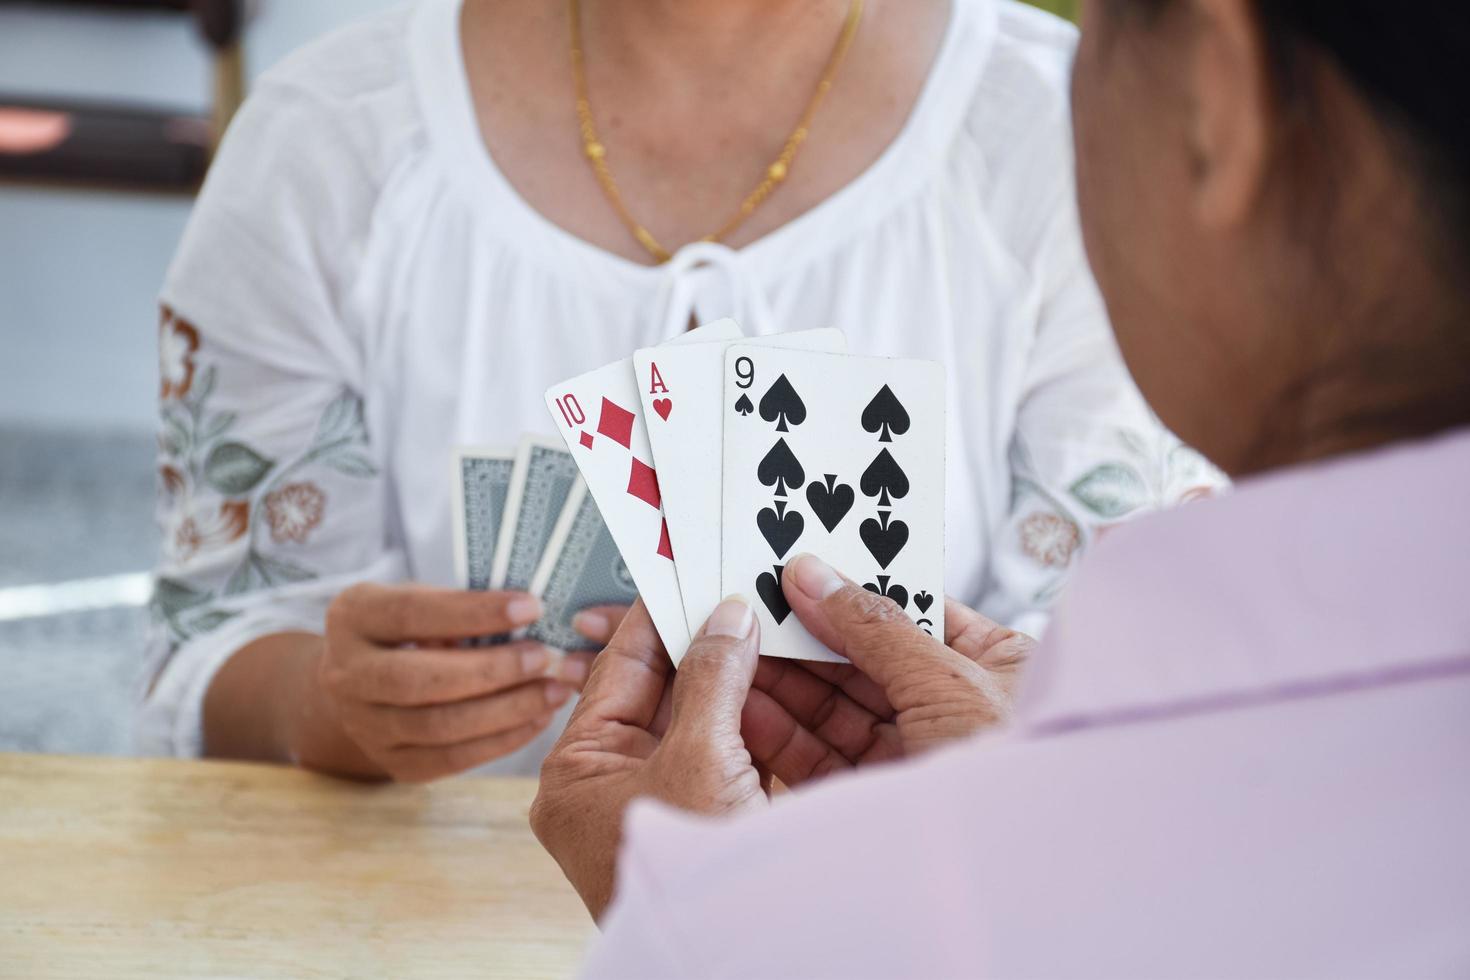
(1231,107)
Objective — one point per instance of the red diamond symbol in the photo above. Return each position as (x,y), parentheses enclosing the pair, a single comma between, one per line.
(616,423)
(643,482)
(586,439)
(665,546)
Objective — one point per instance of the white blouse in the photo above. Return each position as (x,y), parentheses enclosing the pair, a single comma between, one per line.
(360,290)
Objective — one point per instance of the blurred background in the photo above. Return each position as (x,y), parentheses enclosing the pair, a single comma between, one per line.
(124,95)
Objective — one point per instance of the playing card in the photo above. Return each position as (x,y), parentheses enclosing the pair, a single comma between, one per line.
(540,483)
(600,416)
(581,567)
(840,456)
(682,391)
(481,483)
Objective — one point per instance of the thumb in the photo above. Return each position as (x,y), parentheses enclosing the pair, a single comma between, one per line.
(715,675)
(866,628)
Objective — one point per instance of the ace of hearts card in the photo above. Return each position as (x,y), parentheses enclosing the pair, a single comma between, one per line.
(682,391)
(841,456)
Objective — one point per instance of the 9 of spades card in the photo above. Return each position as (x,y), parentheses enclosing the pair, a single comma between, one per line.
(837,455)
(682,393)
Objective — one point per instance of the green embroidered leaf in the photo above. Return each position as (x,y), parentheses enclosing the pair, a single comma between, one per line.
(205,388)
(244,579)
(341,420)
(174,437)
(1133,441)
(1111,490)
(210,619)
(275,571)
(171,597)
(1021,488)
(1020,457)
(233,468)
(216,426)
(353,464)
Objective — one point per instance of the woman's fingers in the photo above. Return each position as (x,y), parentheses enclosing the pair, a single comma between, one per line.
(866,628)
(398,614)
(409,678)
(574,669)
(599,623)
(464,721)
(420,764)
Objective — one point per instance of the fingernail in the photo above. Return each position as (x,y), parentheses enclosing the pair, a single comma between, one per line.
(733,617)
(814,577)
(591,625)
(535,660)
(573,670)
(523,610)
(553,661)
(557,694)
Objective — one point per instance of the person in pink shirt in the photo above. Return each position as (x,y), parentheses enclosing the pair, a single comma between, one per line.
(1243,747)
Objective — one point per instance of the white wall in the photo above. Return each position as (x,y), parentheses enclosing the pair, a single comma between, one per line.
(79,270)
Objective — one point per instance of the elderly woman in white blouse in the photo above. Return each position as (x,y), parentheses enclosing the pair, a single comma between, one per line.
(418,224)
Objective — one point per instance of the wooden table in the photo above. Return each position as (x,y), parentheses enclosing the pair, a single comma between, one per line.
(165,868)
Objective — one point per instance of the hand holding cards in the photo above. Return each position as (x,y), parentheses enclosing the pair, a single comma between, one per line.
(713,462)
(524,522)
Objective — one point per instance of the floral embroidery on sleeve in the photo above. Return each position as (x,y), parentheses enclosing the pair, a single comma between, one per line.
(177,344)
(219,491)
(1050,539)
(1146,474)
(294,510)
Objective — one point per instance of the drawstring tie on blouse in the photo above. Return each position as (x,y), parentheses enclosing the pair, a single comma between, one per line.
(707,281)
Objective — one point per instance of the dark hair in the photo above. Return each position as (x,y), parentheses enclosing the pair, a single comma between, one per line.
(1408,60)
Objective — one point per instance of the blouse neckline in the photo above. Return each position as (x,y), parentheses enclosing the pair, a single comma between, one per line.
(447,104)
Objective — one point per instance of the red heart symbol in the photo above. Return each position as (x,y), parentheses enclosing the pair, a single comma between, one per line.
(663,406)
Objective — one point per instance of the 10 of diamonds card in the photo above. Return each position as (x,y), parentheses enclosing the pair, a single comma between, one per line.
(600,416)
(841,456)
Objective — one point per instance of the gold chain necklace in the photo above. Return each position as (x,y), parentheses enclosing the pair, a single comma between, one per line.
(596,152)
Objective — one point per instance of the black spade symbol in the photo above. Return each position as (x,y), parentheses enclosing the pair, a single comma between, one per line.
(884,539)
(781,469)
(768,587)
(886,413)
(830,501)
(883,479)
(781,404)
(923,600)
(897,593)
(780,529)
(743,405)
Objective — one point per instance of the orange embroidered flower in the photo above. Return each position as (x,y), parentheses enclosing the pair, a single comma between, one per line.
(195,534)
(294,510)
(178,341)
(234,518)
(1050,539)
(171,479)
(188,539)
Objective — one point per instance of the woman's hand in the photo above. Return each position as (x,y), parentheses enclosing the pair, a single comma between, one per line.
(904,693)
(643,730)
(417,706)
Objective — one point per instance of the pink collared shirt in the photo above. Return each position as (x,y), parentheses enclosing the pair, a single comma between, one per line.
(1244,750)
